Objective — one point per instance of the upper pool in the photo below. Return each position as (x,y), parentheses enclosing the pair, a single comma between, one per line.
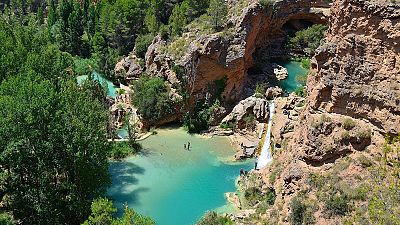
(172,185)
(290,84)
(112,89)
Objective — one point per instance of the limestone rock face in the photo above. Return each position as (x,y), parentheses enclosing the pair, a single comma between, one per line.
(128,68)
(249,106)
(229,54)
(358,67)
(273,92)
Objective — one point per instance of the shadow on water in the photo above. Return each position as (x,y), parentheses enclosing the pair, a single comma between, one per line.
(123,176)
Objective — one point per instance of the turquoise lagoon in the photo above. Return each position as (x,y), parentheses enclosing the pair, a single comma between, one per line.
(112,89)
(175,186)
(290,84)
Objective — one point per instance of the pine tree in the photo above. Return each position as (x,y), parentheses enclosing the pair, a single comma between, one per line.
(52,14)
(178,19)
(75,29)
(218,11)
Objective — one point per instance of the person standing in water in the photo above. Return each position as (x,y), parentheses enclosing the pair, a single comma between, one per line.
(188,146)
(184,146)
(255,164)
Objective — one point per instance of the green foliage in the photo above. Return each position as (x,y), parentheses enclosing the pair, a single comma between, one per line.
(227,126)
(220,86)
(218,12)
(270,196)
(151,97)
(103,213)
(53,149)
(142,43)
(253,195)
(364,134)
(266,4)
(302,79)
(260,90)
(122,150)
(364,161)
(301,92)
(6,219)
(198,118)
(348,124)
(300,212)
(178,19)
(306,63)
(337,204)
(212,218)
(308,40)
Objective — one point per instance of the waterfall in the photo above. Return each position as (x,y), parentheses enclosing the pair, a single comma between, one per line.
(266,156)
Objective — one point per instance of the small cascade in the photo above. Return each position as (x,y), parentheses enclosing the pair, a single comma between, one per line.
(266,156)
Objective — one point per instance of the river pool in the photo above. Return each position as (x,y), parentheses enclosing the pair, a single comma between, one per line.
(175,186)
(290,84)
(112,89)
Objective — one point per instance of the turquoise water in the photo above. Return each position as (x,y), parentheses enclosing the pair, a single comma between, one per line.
(294,68)
(112,89)
(172,185)
(122,133)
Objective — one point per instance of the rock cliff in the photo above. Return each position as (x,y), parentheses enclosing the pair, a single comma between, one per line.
(358,68)
(336,143)
(228,55)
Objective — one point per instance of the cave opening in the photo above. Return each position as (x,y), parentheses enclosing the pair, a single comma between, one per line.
(274,54)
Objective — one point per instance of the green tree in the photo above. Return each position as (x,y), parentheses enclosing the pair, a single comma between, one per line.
(53,150)
(308,40)
(178,19)
(218,11)
(52,14)
(196,8)
(212,218)
(151,21)
(103,213)
(151,97)
(142,43)
(75,29)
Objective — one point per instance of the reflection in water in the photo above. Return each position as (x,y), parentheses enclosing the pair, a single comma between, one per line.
(173,185)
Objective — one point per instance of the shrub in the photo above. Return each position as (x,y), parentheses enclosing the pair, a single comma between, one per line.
(6,219)
(364,134)
(337,204)
(270,196)
(348,124)
(302,79)
(364,161)
(260,90)
(316,180)
(253,195)
(345,135)
(199,118)
(308,39)
(301,92)
(300,213)
(151,97)
(122,150)
(227,126)
(220,86)
(212,218)
(142,43)
(306,63)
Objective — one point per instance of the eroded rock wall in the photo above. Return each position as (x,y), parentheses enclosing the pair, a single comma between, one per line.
(358,67)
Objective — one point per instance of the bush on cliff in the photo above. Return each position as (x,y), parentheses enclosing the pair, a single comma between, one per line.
(151,97)
(212,218)
(308,40)
(142,43)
